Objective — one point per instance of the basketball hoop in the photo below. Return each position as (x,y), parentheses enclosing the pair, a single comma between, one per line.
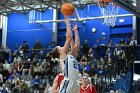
(109,10)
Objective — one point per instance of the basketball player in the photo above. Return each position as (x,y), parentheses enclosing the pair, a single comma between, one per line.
(68,62)
(56,83)
(85,86)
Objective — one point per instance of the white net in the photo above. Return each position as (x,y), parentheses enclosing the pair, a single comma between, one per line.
(109,11)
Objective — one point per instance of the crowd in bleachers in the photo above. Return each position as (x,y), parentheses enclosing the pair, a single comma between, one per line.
(23,69)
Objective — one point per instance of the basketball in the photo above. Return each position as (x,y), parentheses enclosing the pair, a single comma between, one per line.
(67,9)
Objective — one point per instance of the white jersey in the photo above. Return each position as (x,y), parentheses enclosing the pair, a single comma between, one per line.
(70,67)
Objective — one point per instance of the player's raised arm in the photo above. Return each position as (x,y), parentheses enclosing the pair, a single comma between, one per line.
(68,37)
(55,85)
(77,41)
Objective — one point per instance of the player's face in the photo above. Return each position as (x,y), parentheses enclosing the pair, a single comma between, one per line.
(85,80)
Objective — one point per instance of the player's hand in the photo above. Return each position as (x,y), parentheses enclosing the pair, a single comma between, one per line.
(75,27)
(67,20)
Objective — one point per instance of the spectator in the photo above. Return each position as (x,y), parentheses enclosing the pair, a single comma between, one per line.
(2,54)
(109,69)
(133,44)
(85,48)
(91,57)
(24,50)
(35,84)
(104,41)
(1,79)
(7,53)
(23,86)
(122,41)
(83,59)
(16,86)
(101,62)
(37,45)
(128,41)
(133,41)
(92,74)
(108,53)
(20,68)
(48,89)
(52,45)
(97,44)
(6,65)
(4,89)
(37,71)
(26,67)
(111,43)
(100,71)
(1,67)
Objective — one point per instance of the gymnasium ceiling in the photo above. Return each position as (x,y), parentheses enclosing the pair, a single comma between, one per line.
(24,6)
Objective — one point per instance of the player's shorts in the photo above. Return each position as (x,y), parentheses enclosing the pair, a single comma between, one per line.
(69,86)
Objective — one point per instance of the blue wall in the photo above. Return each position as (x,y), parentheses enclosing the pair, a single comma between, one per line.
(20,29)
(115,32)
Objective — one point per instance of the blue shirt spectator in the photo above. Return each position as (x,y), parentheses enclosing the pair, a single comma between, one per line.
(36,80)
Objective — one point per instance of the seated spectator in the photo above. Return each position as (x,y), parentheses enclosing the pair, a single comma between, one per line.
(103,41)
(133,41)
(35,84)
(91,57)
(14,80)
(20,68)
(24,49)
(6,65)
(83,59)
(24,86)
(92,74)
(1,79)
(52,45)
(26,67)
(87,68)
(48,89)
(97,44)
(16,87)
(15,65)
(37,45)
(100,71)
(101,62)
(37,70)
(85,48)
(129,39)
(41,55)
(85,86)
(109,69)
(5,74)
(4,89)
(122,41)
(108,53)
(1,67)
(14,76)
(7,53)
(111,43)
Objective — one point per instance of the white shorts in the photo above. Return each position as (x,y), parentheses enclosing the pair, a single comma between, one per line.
(69,86)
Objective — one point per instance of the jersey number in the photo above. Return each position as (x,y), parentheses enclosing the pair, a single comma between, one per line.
(75,65)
